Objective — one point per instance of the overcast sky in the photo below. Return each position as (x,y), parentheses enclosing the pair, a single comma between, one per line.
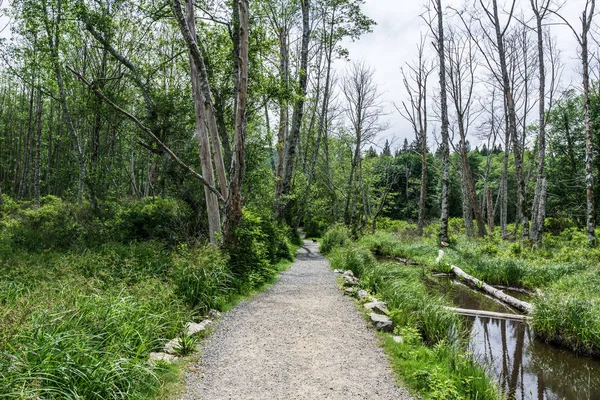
(393,43)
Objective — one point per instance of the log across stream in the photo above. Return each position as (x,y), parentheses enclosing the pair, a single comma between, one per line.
(523,366)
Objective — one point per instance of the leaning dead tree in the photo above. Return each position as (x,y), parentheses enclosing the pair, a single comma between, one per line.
(415,78)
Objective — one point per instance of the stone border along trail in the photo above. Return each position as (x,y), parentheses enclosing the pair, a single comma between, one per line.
(300,339)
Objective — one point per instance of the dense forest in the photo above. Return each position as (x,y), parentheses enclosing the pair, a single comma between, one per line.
(177,146)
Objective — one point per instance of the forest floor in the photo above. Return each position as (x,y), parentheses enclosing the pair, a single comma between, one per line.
(300,339)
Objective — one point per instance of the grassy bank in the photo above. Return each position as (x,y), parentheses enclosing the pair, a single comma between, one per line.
(80,313)
(432,359)
(564,274)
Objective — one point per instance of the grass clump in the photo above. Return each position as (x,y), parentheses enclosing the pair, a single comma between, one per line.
(568,312)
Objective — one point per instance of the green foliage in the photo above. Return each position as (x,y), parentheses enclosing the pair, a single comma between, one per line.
(77,344)
(261,242)
(202,277)
(352,257)
(439,372)
(336,236)
(557,225)
(186,344)
(58,224)
(79,318)
(568,312)
(55,224)
(402,288)
(315,227)
(152,218)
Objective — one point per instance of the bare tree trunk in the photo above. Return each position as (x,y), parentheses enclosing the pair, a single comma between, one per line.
(283,110)
(416,114)
(537,224)
(212,203)
(27,148)
(589,146)
(490,209)
(38,146)
(235,201)
(445,145)
(504,180)
(294,137)
(467,207)
(195,54)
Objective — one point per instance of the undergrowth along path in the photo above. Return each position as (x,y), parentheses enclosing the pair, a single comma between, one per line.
(300,339)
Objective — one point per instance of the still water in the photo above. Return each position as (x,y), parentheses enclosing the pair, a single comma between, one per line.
(524,367)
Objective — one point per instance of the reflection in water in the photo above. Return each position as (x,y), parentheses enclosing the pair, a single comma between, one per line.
(524,367)
(529,369)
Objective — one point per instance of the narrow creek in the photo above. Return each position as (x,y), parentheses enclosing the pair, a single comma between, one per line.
(524,367)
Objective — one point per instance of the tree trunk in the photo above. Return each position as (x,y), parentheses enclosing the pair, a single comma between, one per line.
(283,110)
(490,209)
(294,137)
(212,203)
(204,86)
(467,207)
(38,146)
(537,224)
(445,145)
(235,201)
(589,146)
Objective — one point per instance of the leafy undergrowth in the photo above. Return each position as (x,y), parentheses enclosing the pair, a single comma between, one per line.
(432,359)
(563,273)
(79,319)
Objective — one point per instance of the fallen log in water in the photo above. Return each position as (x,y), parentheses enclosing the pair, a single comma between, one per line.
(498,294)
(488,314)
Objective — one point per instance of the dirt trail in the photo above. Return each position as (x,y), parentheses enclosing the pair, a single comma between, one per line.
(300,339)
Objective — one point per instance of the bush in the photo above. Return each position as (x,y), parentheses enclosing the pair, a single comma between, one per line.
(152,218)
(261,243)
(336,236)
(556,225)
(54,224)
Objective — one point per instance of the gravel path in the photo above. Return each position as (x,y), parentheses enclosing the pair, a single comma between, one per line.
(300,339)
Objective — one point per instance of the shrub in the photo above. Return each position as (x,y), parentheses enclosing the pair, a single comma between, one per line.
(54,224)
(336,236)
(556,225)
(152,218)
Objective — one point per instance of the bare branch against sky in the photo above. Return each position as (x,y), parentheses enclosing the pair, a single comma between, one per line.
(394,40)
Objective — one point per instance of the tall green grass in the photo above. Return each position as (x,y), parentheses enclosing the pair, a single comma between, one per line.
(568,312)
